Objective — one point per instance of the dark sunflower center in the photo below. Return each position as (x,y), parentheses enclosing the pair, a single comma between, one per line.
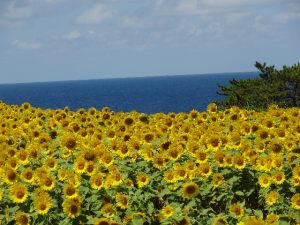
(20,194)
(73,209)
(190,189)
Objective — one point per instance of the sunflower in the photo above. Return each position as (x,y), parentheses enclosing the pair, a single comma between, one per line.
(170,176)
(159,161)
(71,208)
(296,172)
(263,134)
(221,220)
(42,204)
(184,221)
(128,182)
(278,177)
(278,162)
(70,191)
(190,190)
(69,141)
(167,211)
(205,170)
(228,160)
(123,150)
(271,218)
(264,180)
(128,121)
(18,193)
(276,147)
(295,201)
(96,181)
(47,182)
(115,178)
(142,179)
(295,181)
(107,159)
(213,141)
(23,157)
(201,156)
(50,163)
(62,173)
(239,161)
(175,152)
(22,218)
(219,158)
(80,165)
(271,197)
(27,175)
(102,221)
(122,201)
(106,200)
(10,175)
(252,220)
(190,166)
(237,209)
(107,210)
(90,168)
(212,108)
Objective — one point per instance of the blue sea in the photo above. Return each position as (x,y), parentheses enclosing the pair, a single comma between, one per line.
(149,95)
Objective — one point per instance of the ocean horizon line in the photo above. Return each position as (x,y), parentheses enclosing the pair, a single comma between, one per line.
(114,78)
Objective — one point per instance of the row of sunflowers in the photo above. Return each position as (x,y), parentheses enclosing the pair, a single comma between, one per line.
(106,168)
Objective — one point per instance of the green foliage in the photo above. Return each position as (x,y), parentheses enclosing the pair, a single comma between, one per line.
(280,87)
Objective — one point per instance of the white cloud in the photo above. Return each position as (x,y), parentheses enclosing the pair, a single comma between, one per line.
(34,45)
(135,22)
(286,17)
(73,35)
(92,32)
(10,24)
(11,12)
(96,15)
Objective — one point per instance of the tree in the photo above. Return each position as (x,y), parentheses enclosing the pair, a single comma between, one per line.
(273,87)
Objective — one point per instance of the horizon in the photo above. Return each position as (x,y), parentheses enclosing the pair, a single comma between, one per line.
(114,78)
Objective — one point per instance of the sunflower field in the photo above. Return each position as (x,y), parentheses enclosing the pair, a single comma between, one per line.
(105,168)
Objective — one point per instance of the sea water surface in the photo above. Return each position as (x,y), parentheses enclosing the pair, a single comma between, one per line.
(180,93)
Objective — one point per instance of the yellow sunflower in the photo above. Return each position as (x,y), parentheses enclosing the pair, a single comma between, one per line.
(22,218)
(201,156)
(271,197)
(167,211)
(295,181)
(212,108)
(62,174)
(18,193)
(27,175)
(80,165)
(47,182)
(239,161)
(107,210)
(71,208)
(271,218)
(10,175)
(50,163)
(142,179)
(276,147)
(170,176)
(107,159)
(69,141)
(295,200)
(42,204)
(122,201)
(264,180)
(102,221)
(190,190)
(96,181)
(237,209)
(159,161)
(70,191)
(205,170)
(278,177)
(221,220)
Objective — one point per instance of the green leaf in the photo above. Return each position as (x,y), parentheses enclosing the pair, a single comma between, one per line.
(296,215)
(164,192)
(296,161)
(258,213)
(150,208)
(65,221)
(91,221)
(240,193)
(283,221)
(156,143)
(190,204)
(12,210)
(205,211)
(137,220)
(232,215)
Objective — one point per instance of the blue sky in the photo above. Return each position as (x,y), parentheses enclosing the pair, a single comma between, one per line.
(51,40)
